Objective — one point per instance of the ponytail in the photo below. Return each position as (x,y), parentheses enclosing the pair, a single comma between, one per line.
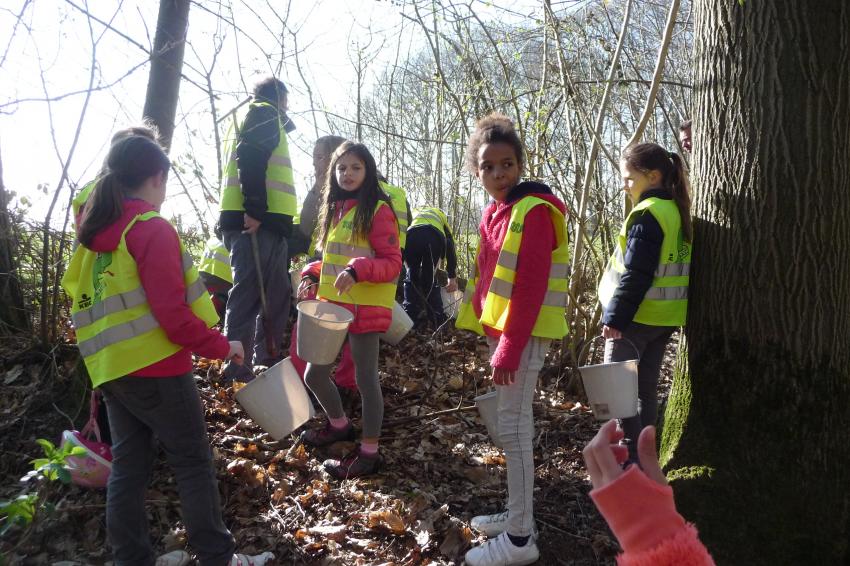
(680,188)
(131,161)
(651,156)
(104,206)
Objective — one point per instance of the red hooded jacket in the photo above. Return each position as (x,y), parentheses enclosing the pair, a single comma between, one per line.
(155,246)
(535,258)
(383,268)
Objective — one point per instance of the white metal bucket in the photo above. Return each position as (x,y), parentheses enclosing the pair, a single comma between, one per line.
(488,409)
(451,302)
(612,389)
(322,328)
(399,327)
(277,400)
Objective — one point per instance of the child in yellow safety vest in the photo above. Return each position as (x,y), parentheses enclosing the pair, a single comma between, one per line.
(361,260)
(140,310)
(644,291)
(516,298)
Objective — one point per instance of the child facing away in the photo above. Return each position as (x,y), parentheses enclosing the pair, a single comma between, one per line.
(638,504)
(361,261)
(644,291)
(140,310)
(517,299)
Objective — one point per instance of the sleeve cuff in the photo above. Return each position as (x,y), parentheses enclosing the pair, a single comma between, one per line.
(640,512)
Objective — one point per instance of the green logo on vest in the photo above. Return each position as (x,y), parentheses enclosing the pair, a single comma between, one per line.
(103,261)
(516,227)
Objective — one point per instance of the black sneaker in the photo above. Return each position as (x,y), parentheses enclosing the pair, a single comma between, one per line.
(327,435)
(354,465)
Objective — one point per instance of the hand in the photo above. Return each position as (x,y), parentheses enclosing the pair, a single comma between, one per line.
(251,224)
(503,376)
(613,333)
(604,455)
(236,353)
(304,288)
(451,286)
(344,282)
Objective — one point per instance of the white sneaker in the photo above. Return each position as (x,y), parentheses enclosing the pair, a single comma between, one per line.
(492,525)
(245,560)
(500,551)
(174,558)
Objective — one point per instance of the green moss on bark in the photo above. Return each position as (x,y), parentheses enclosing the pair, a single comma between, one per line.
(756,452)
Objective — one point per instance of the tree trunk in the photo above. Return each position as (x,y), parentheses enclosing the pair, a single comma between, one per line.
(166,66)
(754,436)
(13,315)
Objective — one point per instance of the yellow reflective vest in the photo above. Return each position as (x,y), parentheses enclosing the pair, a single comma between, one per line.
(431,216)
(550,322)
(340,248)
(117,333)
(216,260)
(666,302)
(398,199)
(82,197)
(280,186)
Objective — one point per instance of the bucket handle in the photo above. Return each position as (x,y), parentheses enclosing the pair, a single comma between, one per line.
(91,426)
(589,342)
(311,285)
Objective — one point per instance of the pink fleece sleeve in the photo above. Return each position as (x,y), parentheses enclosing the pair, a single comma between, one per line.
(386,265)
(643,517)
(530,284)
(156,248)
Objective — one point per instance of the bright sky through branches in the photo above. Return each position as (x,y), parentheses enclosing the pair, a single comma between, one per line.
(48,55)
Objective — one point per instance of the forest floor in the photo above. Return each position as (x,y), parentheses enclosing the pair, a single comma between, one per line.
(440,467)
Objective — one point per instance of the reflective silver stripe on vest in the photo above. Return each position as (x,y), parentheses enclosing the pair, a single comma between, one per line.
(187,261)
(281,160)
(667,293)
(116,334)
(218,256)
(195,291)
(504,289)
(332,269)
(110,305)
(339,248)
(509,260)
(429,216)
(673,270)
(555,299)
(232,182)
(469,291)
(280,186)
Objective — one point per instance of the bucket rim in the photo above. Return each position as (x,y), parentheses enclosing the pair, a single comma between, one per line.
(306,302)
(597,366)
(484,396)
(263,375)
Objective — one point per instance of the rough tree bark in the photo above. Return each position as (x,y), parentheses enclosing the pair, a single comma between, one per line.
(754,434)
(166,66)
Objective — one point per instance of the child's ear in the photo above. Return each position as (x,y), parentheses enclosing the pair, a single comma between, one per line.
(654,177)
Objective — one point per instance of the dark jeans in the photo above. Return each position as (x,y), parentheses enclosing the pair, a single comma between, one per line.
(168,409)
(650,342)
(425,247)
(244,319)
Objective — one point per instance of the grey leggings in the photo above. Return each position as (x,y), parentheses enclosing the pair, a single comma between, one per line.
(364,352)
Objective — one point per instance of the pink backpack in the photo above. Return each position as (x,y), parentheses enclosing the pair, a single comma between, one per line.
(92,468)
